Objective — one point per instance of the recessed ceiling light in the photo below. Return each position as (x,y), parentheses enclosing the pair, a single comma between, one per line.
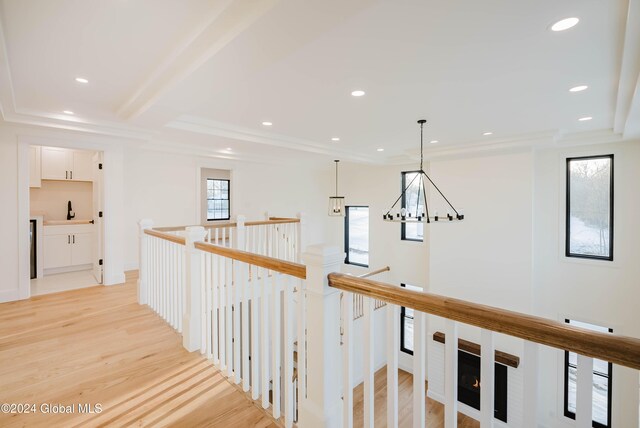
(357,93)
(229,148)
(81,80)
(335,139)
(487,133)
(381,150)
(433,141)
(579,88)
(584,119)
(267,123)
(564,24)
(67,112)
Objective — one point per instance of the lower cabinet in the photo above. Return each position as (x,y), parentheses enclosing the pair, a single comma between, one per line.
(67,246)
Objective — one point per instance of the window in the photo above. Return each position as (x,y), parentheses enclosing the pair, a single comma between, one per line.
(217,199)
(406,324)
(356,236)
(589,219)
(412,231)
(601,383)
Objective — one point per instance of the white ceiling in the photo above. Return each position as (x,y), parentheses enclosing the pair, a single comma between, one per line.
(209,72)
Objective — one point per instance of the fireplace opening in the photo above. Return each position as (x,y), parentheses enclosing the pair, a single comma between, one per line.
(469,384)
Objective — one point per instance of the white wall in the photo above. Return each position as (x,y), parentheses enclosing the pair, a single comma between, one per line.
(142,183)
(600,292)
(166,188)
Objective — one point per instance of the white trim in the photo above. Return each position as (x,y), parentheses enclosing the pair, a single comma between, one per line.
(24,260)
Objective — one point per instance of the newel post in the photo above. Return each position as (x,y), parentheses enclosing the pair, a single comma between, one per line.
(143,261)
(241,230)
(323,404)
(192,318)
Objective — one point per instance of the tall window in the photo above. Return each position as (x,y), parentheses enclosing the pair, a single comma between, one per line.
(406,324)
(356,235)
(412,231)
(590,207)
(217,199)
(602,372)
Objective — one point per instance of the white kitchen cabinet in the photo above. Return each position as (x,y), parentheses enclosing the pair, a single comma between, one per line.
(67,246)
(66,164)
(56,251)
(82,165)
(81,248)
(34,166)
(55,163)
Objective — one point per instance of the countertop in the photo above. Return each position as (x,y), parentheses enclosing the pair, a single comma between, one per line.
(66,222)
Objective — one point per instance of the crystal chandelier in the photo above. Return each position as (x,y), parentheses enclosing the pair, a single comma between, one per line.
(421,214)
(336,203)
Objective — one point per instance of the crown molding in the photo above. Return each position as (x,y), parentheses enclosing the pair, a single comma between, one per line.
(524,142)
(627,114)
(209,127)
(76,124)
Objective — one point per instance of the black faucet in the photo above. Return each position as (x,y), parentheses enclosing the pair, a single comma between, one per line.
(70,213)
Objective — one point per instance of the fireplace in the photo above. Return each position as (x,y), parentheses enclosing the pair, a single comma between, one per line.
(469,384)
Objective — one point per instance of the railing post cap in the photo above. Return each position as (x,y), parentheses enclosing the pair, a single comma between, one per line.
(145,223)
(195,233)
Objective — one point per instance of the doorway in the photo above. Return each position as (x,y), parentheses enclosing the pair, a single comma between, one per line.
(65,201)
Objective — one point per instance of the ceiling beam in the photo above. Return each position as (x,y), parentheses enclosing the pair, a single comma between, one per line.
(229,19)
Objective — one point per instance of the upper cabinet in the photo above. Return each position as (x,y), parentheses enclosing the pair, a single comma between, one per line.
(66,164)
(34,166)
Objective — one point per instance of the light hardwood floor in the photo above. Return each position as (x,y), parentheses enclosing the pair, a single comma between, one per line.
(434,410)
(97,345)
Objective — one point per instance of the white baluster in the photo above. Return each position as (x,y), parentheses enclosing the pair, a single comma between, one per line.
(275,342)
(451,374)
(172,282)
(215,293)
(203,303)
(393,345)
(255,334)
(347,359)
(229,315)
(264,336)
(244,278)
(487,379)
(584,392)
(236,288)
(209,300)
(302,342)
(530,411)
(419,368)
(369,363)
(288,352)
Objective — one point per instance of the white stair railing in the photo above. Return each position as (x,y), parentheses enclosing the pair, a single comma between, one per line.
(233,301)
(621,350)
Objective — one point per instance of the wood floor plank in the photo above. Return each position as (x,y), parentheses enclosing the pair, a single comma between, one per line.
(97,345)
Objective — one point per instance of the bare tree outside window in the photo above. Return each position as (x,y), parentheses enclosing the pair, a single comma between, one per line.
(590,207)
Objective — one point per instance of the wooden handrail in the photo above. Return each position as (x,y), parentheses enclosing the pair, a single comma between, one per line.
(374,272)
(617,349)
(282,266)
(272,220)
(166,236)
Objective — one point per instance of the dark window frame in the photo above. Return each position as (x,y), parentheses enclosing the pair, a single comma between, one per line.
(568,252)
(403,317)
(228,199)
(571,415)
(346,234)
(403,204)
